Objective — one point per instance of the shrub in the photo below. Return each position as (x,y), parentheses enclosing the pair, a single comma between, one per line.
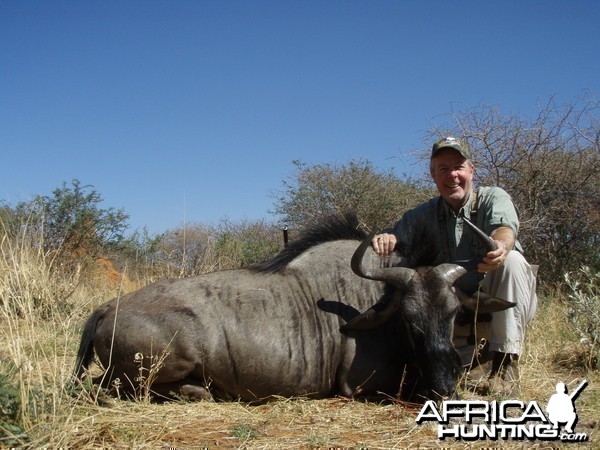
(11,431)
(198,248)
(584,311)
(317,191)
(70,224)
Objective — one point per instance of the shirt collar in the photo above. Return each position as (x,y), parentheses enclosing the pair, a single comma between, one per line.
(465,211)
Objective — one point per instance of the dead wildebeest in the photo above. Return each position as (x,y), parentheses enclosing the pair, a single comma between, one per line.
(274,329)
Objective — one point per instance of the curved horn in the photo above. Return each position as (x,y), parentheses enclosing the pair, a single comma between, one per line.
(482,303)
(487,241)
(398,276)
(450,272)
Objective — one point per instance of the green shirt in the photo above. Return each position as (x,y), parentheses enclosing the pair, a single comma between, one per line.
(437,234)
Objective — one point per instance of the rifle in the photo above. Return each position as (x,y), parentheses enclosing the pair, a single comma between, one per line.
(578,390)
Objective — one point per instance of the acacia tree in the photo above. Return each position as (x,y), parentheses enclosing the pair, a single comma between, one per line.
(316,191)
(549,164)
(71,221)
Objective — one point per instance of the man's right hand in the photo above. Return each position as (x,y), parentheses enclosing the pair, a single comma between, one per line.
(384,243)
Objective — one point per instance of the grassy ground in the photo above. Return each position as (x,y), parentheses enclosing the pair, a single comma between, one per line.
(37,354)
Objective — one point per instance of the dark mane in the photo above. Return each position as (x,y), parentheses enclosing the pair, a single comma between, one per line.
(418,246)
(333,228)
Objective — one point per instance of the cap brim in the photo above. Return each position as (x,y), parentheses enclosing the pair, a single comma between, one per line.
(464,154)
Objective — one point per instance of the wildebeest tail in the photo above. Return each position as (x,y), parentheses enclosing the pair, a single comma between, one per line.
(85,354)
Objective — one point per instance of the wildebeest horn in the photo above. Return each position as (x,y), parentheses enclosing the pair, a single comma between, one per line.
(487,241)
(450,272)
(398,276)
(482,303)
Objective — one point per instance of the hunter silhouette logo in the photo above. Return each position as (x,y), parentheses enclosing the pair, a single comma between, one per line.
(509,419)
(561,406)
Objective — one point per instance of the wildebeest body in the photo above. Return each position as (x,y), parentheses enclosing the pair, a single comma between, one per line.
(251,335)
(290,327)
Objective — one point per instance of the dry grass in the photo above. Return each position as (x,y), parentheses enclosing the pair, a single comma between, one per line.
(286,423)
(39,351)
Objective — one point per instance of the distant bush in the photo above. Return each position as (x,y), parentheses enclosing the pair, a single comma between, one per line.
(68,229)
(197,248)
(245,243)
(320,190)
(48,243)
(73,221)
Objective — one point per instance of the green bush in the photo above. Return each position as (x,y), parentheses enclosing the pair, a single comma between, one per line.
(320,190)
(584,310)
(11,431)
(74,222)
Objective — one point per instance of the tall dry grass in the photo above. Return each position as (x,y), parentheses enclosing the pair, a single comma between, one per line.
(39,334)
(41,310)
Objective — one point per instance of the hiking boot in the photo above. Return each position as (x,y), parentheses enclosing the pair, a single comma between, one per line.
(476,379)
(504,376)
(479,373)
(478,365)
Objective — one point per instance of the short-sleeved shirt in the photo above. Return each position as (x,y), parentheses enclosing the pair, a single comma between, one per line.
(433,228)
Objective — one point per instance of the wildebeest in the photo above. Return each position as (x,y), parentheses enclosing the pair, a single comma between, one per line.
(288,327)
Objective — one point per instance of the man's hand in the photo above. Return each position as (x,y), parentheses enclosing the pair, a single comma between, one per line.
(504,237)
(384,243)
(493,259)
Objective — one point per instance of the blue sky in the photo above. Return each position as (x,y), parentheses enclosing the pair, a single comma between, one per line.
(195,110)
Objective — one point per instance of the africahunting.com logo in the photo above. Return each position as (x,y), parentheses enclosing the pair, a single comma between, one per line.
(472,420)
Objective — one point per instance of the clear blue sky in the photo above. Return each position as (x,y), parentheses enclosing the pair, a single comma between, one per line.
(195,110)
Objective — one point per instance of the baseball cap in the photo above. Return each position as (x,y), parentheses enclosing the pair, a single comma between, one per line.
(451,142)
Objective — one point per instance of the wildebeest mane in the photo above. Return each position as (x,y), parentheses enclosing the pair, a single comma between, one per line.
(418,246)
(333,228)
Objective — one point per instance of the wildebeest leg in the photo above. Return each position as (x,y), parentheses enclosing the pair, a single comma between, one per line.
(195,392)
(187,388)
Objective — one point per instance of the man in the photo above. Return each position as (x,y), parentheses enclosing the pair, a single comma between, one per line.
(503,273)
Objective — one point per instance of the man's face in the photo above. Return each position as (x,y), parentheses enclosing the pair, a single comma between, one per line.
(453,177)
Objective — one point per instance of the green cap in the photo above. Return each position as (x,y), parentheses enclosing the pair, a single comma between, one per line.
(451,142)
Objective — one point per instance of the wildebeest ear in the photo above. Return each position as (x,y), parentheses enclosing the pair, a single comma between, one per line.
(373,317)
(482,303)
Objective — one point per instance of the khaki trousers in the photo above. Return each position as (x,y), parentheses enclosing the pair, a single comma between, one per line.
(514,281)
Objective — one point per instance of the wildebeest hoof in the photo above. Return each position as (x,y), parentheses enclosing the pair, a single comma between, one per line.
(195,392)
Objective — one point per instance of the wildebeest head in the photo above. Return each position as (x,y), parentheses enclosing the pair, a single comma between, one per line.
(426,302)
